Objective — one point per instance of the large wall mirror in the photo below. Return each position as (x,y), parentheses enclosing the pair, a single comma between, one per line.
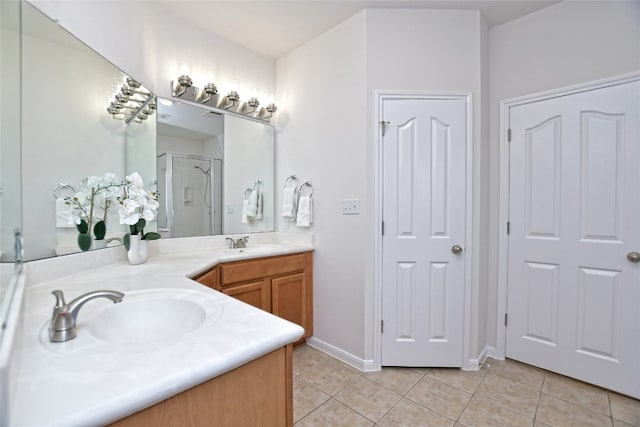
(208,160)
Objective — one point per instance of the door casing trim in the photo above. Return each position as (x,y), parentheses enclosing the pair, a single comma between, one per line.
(469,361)
(503,241)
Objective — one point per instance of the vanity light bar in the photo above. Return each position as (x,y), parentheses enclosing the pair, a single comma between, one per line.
(132,103)
(184,88)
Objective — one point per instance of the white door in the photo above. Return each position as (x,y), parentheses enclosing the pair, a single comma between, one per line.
(424,170)
(573,295)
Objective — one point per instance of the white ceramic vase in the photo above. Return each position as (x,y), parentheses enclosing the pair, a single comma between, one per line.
(99,244)
(137,252)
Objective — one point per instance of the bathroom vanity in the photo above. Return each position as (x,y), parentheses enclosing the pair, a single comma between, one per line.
(233,366)
(281,285)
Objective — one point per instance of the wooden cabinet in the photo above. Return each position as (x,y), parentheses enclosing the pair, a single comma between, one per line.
(281,285)
(259,393)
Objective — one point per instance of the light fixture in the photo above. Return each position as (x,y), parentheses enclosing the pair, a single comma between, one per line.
(230,101)
(267,112)
(184,88)
(250,107)
(209,95)
(132,103)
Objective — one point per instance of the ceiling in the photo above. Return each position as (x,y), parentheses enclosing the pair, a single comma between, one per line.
(274,28)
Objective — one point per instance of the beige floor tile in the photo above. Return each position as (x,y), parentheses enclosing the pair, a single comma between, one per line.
(399,380)
(540,424)
(574,391)
(483,412)
(305,357)
(306,398)
(464,380)
(330,376)
(334,414)
(558,413)
(410,414)
(367,398)
(511,394)
(440,397)
(421,370)
(625,409)
(618,423)
(513,370)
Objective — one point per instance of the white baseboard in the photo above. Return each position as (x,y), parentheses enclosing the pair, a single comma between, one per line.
(474,364)
(341,355)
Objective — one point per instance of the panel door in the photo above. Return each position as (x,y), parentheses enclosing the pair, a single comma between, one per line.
(257,294)
(424,217)
(573,295)
(289,300)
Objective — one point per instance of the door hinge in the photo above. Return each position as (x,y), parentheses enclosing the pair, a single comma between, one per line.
(508,135)
(384,126)
(383,228)
(382,326)
(505,319)
(508,227)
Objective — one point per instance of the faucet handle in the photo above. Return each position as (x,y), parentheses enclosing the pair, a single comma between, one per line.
(60,302)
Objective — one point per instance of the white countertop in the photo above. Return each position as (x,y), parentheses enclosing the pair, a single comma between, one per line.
(85,382)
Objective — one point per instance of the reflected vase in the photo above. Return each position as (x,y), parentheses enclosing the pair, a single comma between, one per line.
(137,253)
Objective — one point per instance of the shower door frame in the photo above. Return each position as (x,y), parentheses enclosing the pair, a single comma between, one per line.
(169,188)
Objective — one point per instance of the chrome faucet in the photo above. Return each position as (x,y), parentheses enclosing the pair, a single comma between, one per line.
(63,321)
(240,242)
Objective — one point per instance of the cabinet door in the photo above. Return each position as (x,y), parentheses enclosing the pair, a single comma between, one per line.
(210,279)
(289,299)
(257,293)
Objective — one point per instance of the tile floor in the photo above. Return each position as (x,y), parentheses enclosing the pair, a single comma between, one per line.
(327,392)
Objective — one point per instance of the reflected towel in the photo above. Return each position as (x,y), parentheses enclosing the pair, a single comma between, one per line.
(289,202)
(259,206)
(305,212)
(252,205)
(63,214)
(245,209)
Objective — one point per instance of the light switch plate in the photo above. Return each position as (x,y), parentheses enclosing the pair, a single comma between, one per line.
(350,206)
(228,208)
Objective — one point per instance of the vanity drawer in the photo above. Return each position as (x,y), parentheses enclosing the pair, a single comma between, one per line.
(243,271)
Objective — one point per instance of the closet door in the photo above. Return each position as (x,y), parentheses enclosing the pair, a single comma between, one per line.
(574,275)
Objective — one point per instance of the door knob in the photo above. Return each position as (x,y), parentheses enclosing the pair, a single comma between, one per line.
(457,249)
(633,256)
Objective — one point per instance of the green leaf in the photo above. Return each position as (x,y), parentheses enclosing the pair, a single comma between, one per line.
(100,230)
(84,241)
(83,227)
(126,239)
(151,236)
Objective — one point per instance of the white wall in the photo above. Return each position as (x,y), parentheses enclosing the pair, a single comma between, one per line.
(321,89)
(149,44)
(562,45)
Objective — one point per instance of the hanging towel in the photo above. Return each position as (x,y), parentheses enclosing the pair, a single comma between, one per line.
(305,212)
(245,211)
(63,214)
(259,205)
(289,202)
(252,208)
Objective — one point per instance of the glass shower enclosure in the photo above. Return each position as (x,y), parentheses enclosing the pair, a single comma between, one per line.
(190,190)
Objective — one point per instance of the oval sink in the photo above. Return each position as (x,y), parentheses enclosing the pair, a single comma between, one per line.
(146,316)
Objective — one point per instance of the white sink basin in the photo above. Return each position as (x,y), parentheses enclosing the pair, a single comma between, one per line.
(145,317)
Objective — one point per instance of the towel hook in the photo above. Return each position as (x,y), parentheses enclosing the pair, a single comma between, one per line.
(257,184)
(306,184)
(62,186)
(247,193)
(292,178)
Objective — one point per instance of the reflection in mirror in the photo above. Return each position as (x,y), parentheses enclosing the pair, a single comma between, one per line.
(209,164)
(67,134)
(189,165)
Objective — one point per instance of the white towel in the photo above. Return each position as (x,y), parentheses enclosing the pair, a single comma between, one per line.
(259,205)
(252,208)
(289,202)
(63,214)
(305,212)
(245,210)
